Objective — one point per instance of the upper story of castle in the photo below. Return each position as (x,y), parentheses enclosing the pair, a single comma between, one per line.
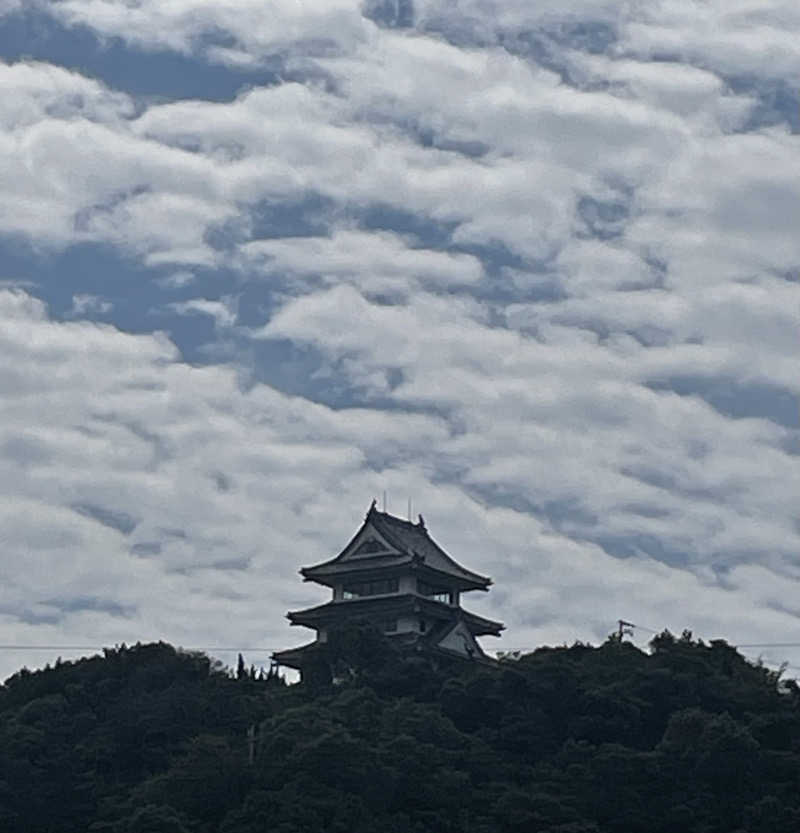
(388,556)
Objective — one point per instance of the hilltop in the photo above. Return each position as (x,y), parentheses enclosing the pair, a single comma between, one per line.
(147,739)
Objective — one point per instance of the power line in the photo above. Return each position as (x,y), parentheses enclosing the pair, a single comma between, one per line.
(261,649)
(784,665)
(743,645)
(51,648)
(228,650)
(103,647)
(642,628)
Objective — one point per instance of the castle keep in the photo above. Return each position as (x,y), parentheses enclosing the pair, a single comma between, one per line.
(395,576)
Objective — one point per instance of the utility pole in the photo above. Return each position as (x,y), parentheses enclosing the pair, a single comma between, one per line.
(624,629)
(251,744)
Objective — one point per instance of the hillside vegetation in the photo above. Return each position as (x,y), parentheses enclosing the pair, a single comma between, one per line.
(689,737)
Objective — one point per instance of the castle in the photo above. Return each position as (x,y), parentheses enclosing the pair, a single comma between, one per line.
(393,575)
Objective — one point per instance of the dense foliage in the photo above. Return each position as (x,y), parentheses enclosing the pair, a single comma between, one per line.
(690,737)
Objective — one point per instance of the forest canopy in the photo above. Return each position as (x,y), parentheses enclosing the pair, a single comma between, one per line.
(149,739)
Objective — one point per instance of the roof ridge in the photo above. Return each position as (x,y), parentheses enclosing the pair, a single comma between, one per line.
(393,518)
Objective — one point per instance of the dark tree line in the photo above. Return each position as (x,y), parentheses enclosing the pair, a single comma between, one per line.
(689,737)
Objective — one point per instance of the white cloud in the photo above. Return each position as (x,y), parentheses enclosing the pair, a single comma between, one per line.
(690,92)
(747,38)
(32,90)
(177,280)
(223,312)
(545,146)
(159,183)
(377,262)
(84,303)
(589,266)
(135,479)
(257,30)
(72,172)
(724,209)
(573,409)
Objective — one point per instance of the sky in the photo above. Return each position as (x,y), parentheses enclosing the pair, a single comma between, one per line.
(533,266)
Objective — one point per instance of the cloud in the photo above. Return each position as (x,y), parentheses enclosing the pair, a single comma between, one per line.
(84,303)
(74,173)
(483,141)
(177,280)
(724,210)
(748,39)
(32,91)
(172,497)
(378,261)
(565,405)
(521,140)
(93,454)
(223,312)
(235,30)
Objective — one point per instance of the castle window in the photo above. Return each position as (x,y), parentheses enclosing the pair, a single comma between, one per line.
(370,588)
(436,594)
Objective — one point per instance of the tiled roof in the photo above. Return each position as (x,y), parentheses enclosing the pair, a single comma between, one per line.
(371,606)
(415,539)
(411,540)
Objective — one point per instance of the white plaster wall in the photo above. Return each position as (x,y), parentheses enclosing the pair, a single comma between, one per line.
(454,641)
(408,584)
(406,624)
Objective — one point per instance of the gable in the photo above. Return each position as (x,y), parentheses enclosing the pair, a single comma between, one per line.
(368,544)
(369,547)
(460,640)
